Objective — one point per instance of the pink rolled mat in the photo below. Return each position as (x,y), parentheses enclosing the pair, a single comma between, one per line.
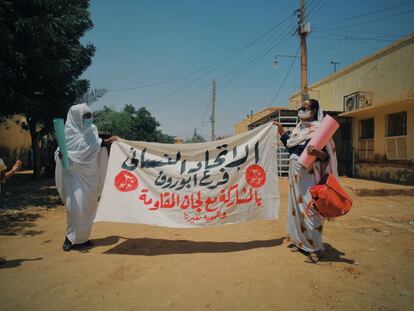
(321,137)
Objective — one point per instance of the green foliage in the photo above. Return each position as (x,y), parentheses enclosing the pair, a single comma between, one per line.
(131,124)
(41,57)
(91,96)
(41,60)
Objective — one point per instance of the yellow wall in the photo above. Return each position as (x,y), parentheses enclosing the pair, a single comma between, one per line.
(380,115)
(388,74)
(410,132)
(15,142)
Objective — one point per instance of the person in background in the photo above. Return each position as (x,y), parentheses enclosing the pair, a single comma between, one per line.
(6,175)
(81,184)
(305,231)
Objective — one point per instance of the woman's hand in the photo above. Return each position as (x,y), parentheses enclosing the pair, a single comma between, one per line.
(280,128)
(110,140)
(312,150)
(17,166)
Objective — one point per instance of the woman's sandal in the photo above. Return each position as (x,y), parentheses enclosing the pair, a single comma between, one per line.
(295,249)
(314,257)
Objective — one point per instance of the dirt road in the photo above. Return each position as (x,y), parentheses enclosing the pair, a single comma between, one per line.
(368,265)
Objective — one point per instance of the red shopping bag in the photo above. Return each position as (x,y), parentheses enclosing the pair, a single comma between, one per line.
(329,199)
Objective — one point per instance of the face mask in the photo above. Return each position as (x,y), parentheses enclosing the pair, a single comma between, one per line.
(304,114)
(87,122)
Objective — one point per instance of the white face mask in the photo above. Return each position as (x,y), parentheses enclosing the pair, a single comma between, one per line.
(304,114)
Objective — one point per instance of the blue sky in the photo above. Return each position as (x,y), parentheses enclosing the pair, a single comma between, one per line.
(164,54)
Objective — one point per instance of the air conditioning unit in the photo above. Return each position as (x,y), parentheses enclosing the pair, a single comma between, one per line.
(357,100)
(351,102)
(364,99)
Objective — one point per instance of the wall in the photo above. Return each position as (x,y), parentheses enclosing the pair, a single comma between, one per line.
(15,141)
(396,171)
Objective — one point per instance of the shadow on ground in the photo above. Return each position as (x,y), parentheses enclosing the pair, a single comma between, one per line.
(30,193)
(13,263)
(18,223)
(154,247)
(330,254)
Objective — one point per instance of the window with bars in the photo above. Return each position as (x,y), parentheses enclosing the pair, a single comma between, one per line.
(396,140)
(366,139)
(397,124)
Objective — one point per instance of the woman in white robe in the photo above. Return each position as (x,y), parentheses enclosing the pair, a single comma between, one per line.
(305,232)
(81,184)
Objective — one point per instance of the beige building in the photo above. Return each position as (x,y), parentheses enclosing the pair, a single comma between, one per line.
(15,141)
(178,140)
(243,126)
(377,93)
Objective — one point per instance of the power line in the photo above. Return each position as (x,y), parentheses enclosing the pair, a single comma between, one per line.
(364,23)
(165,81)
(223,61)
(241,70)
(313,8)
(197,60)
(376,34)
(352,38)
(220,61)
(389,8)
(285,78)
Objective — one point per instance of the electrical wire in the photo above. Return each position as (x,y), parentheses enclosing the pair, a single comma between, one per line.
(220,61)
(363,23)
(223,61)
(285,78)
(389,8)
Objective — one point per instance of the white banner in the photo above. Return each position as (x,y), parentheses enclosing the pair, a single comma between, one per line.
(193,185)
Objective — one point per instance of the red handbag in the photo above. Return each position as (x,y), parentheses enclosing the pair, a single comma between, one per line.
(329,199)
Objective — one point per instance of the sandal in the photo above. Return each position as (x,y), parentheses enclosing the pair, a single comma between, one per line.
(293,248)
(314,257)
(67,245)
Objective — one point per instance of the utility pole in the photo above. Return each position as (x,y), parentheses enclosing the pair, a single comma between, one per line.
(303,30)
(334,64)
(213,110)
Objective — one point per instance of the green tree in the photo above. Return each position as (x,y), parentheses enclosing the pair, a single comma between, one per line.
(112,122)
(41,60)
(131,124)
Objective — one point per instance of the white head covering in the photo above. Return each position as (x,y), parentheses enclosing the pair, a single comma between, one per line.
(303,131)
(83,144)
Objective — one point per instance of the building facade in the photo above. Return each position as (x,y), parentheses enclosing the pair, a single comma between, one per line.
(377,95)
(15,141)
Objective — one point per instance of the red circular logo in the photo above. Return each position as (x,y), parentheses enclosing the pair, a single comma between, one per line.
(126,181)
(255,176)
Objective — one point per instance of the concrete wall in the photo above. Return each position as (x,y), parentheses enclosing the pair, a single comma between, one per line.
(386,172)
(15,141)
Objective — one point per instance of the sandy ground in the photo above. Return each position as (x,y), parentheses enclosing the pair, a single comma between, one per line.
(368,266)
